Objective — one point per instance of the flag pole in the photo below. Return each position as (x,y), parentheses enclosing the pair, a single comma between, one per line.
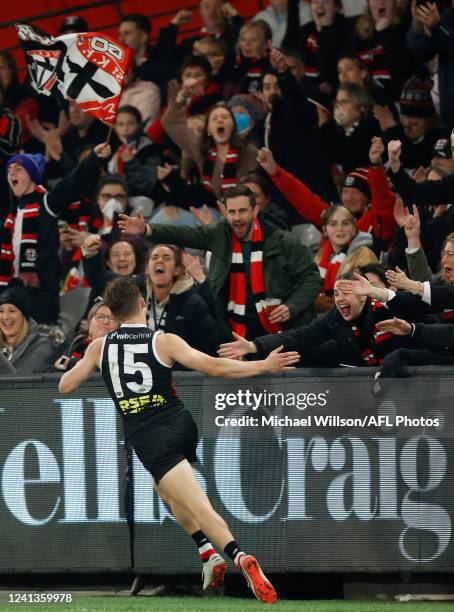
(109,133)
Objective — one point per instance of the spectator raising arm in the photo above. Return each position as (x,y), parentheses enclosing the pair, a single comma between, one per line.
(426,193)
(80,182)
(382,198)
(309,205)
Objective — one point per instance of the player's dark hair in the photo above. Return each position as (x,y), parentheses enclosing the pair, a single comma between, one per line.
(122,297)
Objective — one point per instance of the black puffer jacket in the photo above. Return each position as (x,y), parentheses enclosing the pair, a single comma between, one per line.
(329,341)
(188,315)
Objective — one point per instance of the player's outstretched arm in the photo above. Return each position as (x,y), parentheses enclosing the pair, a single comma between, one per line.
(173,348)
(83,368)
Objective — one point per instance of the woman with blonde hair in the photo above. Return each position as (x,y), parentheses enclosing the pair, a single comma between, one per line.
(344,249)
(253,47)
(25,348)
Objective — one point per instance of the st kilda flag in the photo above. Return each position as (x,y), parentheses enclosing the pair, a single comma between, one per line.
(89,68)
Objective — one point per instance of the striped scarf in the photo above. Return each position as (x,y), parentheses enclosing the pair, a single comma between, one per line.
(372,350)
(236,308)
(329,265)
(229,171)
(28,253)
(448,315)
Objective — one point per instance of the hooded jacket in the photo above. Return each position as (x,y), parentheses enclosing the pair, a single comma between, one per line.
(188,316)
(32,356)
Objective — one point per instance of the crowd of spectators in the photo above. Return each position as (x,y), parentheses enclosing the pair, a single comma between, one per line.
(286,179)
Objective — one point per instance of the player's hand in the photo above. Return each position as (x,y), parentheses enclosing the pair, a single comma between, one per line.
(277,361)
(399,327)
(237,349)
(266,160)
(132,225)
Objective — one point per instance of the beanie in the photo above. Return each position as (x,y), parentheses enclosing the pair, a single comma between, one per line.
(17,297)
(358,179)
(34,164)
(251,103)
(415,99)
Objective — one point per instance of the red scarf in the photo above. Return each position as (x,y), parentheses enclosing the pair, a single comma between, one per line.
(28,254)
(329,266)
(448,315)
(120,162)
(236,308)
(372,351)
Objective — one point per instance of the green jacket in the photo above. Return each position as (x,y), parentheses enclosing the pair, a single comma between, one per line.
(418,267)
(289,272)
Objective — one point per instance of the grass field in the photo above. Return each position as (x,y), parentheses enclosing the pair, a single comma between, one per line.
(224,604)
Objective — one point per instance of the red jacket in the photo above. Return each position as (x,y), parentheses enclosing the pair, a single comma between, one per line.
(377,218)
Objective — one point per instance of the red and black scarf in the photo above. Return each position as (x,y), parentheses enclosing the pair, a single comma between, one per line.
(120,169)
(373,345)
(448,315)
(236,309)
(329,265)
(229,172)
(28,255)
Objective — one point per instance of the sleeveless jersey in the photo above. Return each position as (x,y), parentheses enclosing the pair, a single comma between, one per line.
(138,382)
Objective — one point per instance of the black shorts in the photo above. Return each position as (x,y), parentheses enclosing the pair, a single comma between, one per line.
(163,446)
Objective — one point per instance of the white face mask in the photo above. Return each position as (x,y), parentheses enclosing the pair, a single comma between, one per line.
(112,206)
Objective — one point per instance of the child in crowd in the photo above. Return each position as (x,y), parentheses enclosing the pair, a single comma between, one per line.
(136,158)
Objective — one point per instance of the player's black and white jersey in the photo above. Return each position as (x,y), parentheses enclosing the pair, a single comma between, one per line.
(139,383)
